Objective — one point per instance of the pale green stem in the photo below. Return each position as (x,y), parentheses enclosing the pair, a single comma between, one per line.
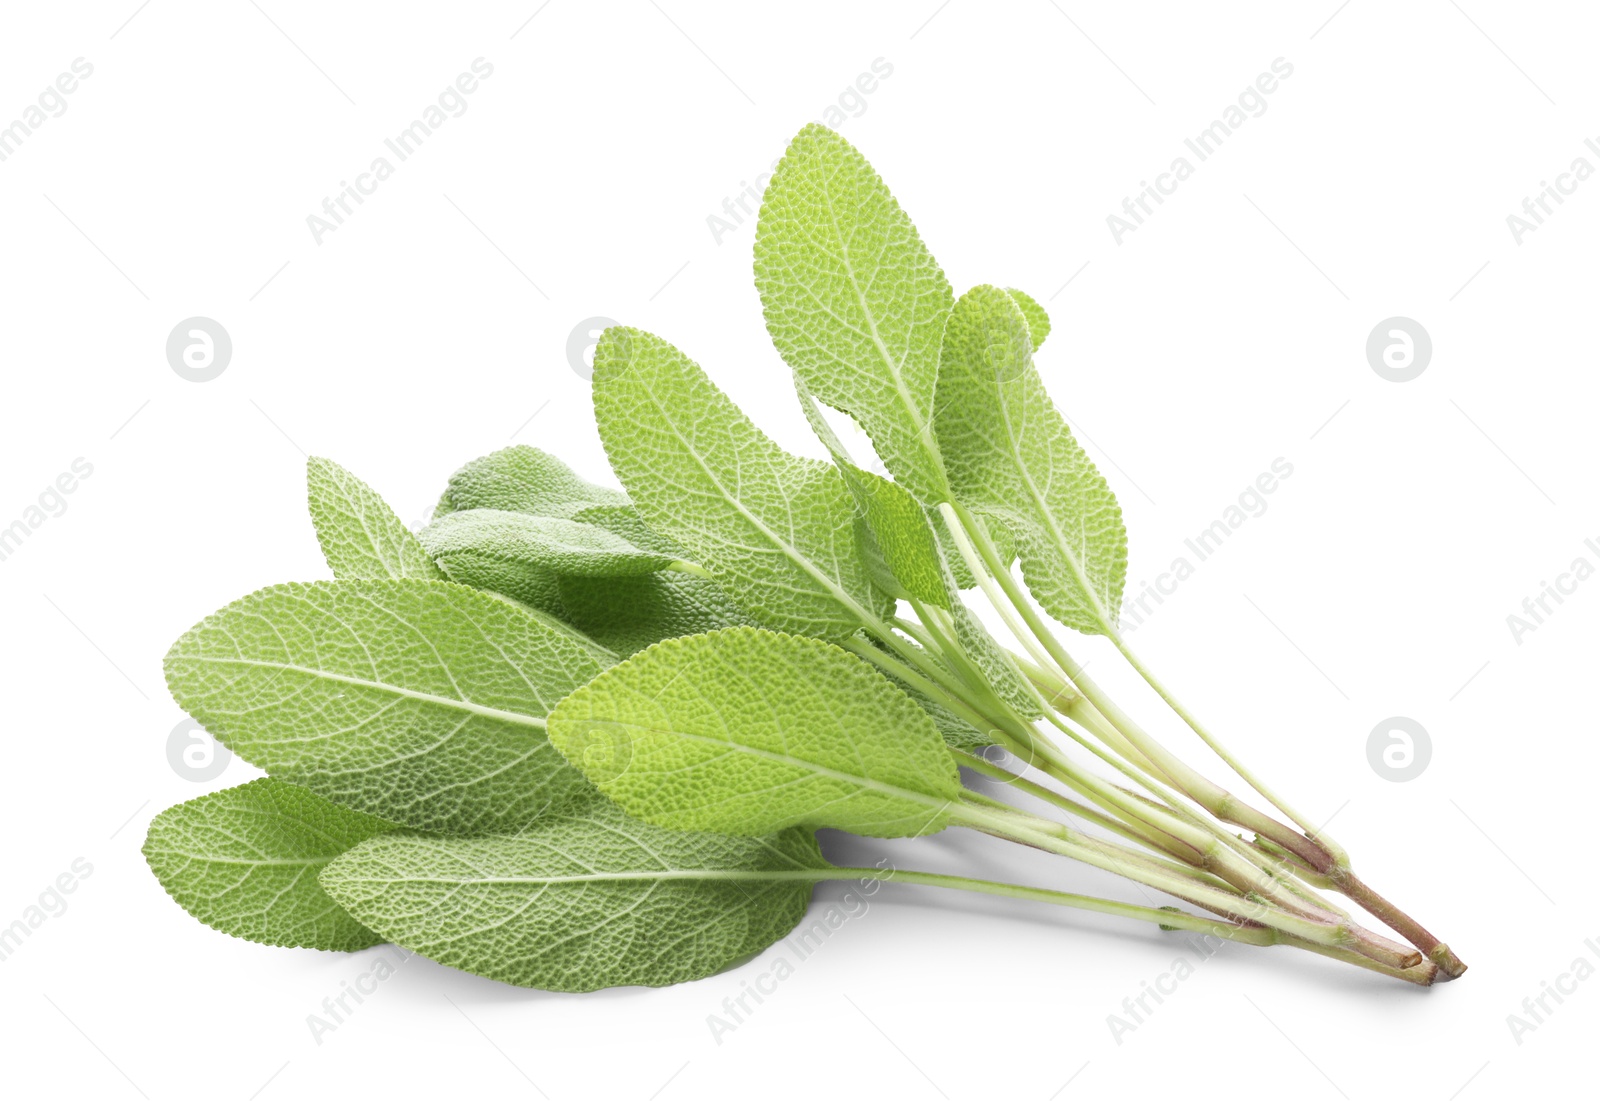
(1079,847)
(1246,871)
(959,533)
(1173,919)
(1011,739)
(1031,821)
(1337,851)
(1260,936)
(915,630)
(1215,849)
(1282,877)
(1139,831)
(1207,793)
(1214,798)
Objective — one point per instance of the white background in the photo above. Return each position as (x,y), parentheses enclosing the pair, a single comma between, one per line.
(1223,334)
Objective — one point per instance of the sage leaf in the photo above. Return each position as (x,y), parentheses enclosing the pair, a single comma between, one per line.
(524,479)
(525,582)
(443,506)
(747,732)
(627,614)
(894,532)
(625,521)
(897,542)
(1000,674)
(360,534)
(245,860)
(854,301)
(1033,313)
(956,731)
(420,702)
(504,539)
(775,530)
(1009,452)
(582,901)
(998,533)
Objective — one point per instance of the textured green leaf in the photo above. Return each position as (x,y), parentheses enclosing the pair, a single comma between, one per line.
(896,536)
(1009,452)
(464,542)
(956,731)
(747,732)
(360,535)
(626,614)
(525,479)
(625,521)
(1038,320)
(525,582)
(245,860)
(854,301)
(421,702)
(775,530)
(583,901)
(999,535)
(894,529)
(1000,674)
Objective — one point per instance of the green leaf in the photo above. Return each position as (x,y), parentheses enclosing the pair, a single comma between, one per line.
(998,533)
(524,479)
(625,521)
(775,530)
(524,582)
(894,529)
(895,533)
(584,901)
(468,554)
(464,542)
(956,731)
(854,301)
(360,535)
(1038,320)
(421,702)
(747,732)
(245,860)
(627,614)
(1000,675)
(1009,452)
